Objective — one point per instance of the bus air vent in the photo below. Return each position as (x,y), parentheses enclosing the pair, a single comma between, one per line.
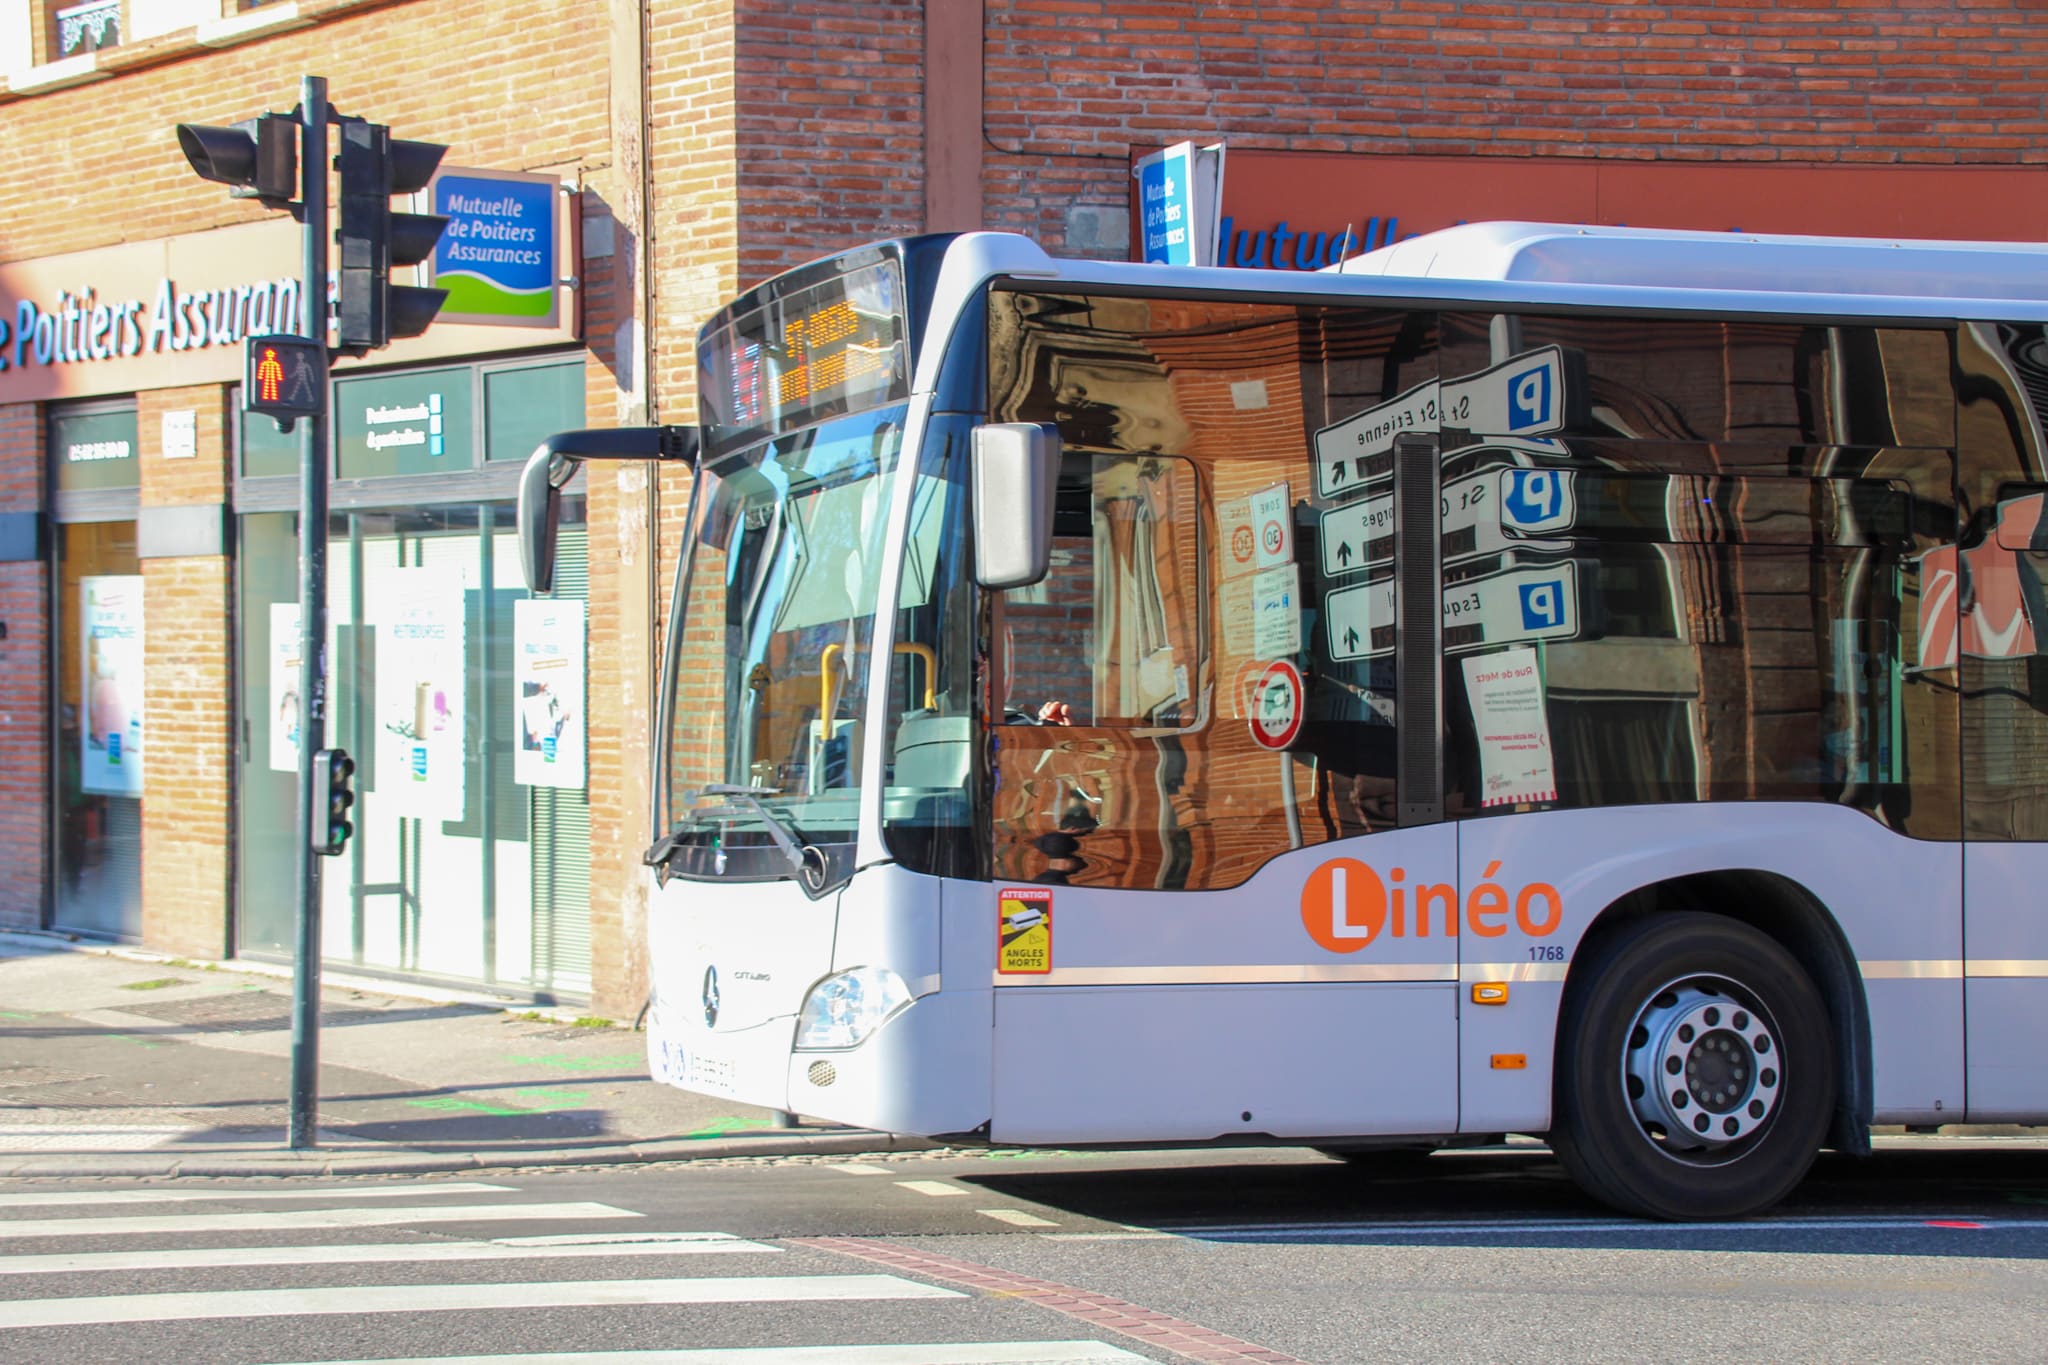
(823,1074)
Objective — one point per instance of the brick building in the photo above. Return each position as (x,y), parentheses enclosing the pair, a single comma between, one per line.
(147,533)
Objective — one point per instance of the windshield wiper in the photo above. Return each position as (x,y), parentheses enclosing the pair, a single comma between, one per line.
(805,860)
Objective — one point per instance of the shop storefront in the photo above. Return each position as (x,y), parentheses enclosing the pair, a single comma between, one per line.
(98,740)
(169,540)
(461,698)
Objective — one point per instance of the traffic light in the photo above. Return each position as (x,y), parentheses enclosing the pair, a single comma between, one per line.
(284,377)
(374,166)
(334,774)
(257,158)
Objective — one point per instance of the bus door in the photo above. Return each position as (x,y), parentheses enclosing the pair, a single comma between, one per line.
(1991,596)
(1215,921)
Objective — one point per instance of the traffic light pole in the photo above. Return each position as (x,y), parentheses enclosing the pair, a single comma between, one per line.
(305,1098)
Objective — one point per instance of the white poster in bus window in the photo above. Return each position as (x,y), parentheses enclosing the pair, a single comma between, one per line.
(1262,613)
(1505,691)
(548,683)
(282,714)
(110,733)
(420,680)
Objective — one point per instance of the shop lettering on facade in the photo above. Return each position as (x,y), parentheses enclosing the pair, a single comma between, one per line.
(1280,247)
(78,328)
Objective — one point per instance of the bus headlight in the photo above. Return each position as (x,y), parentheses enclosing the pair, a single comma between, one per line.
(843,1010)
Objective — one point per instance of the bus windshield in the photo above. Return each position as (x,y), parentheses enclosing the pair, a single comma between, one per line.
(780,589)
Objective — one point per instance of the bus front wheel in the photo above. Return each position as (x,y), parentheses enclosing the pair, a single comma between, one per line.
(1694,1073)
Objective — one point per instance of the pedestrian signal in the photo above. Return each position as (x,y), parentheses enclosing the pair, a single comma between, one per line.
(284,377)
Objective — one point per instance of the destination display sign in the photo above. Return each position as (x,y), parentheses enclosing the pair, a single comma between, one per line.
(1503,608)
(1523,396)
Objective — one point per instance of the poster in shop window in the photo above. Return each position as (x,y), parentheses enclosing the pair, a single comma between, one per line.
(548,682)
(110,731)
(282,716)
(420,696)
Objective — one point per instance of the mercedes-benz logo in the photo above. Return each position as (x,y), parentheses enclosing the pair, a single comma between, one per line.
(711,997)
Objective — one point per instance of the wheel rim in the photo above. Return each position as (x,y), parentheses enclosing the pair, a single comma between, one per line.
(1703,1069)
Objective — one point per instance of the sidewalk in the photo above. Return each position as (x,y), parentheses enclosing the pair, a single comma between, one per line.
(116,1062)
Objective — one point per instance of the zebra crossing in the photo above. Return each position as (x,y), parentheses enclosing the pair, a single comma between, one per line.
(408,1271)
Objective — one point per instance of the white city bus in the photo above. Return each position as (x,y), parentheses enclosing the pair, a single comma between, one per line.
(1581,682)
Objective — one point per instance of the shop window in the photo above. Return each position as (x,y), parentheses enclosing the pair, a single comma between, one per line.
(87,27)
(17,51)
(153,18)
(523,407)
(419,422)
(94,451)
(97,660)
(266,451)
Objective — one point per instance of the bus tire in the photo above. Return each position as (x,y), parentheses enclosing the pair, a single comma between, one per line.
(1694,1073)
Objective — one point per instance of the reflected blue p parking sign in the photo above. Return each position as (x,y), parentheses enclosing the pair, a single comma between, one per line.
(1530,399)
(1543,604)
(1536,501)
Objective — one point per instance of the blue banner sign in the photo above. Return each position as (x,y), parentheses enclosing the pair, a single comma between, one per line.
(498,259)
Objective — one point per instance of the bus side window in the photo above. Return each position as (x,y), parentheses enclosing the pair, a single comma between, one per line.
(1113,634)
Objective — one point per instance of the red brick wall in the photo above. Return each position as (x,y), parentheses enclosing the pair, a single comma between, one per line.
(24,686)
(830,127)
(187,693)
(1073,84)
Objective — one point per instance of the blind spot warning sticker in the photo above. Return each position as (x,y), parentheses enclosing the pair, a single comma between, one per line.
(1024,930)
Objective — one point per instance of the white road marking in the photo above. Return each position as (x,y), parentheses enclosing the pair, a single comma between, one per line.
(436,1298)
(859,1168)
(408,1187)
(1018,1217)
(938,1189)
(144,1225)
(502,1249)
(946,1353)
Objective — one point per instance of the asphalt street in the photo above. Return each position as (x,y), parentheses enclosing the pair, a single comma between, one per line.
(1932,1250)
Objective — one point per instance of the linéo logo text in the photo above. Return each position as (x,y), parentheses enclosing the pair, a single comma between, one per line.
(1345,905)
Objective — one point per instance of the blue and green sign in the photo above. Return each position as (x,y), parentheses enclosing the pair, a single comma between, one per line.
(497,259)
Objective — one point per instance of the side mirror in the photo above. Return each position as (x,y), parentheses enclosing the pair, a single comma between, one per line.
(554,462)
(1016,477)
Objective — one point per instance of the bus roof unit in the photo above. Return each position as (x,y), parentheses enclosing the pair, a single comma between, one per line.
(1658,258)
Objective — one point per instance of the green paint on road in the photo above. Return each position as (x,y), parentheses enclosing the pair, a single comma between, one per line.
(14,1014)
(528,1099)
(607,1063)
(457,1103)
(718,1127)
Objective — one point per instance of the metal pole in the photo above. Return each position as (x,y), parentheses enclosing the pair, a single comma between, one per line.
(312,623)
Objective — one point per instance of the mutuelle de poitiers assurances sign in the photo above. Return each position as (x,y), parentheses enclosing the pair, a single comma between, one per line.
(498,258)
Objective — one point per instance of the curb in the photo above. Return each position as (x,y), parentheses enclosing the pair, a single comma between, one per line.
(284,1163)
